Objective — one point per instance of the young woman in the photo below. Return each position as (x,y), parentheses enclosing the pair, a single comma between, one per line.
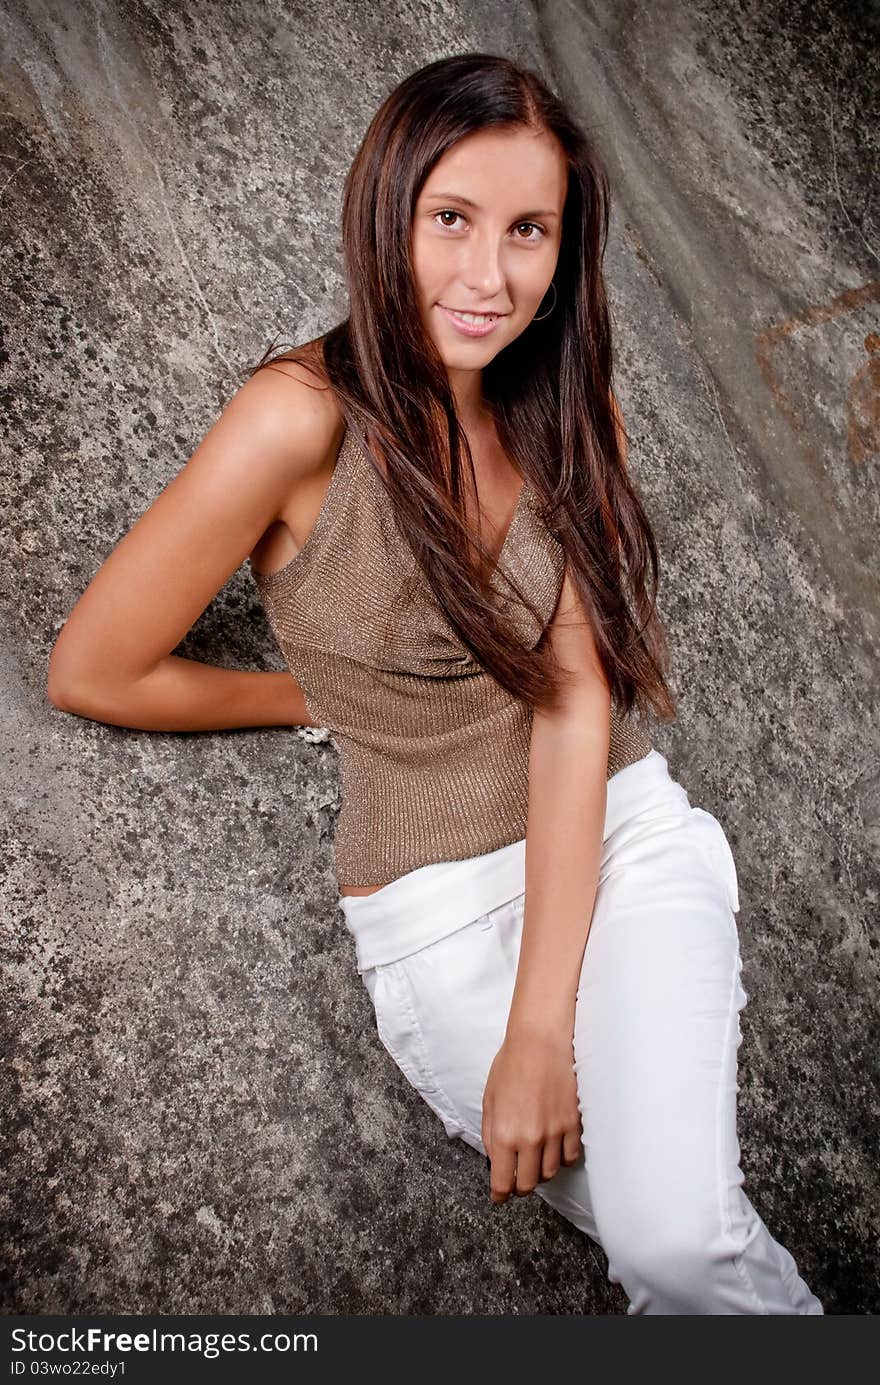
(456,564)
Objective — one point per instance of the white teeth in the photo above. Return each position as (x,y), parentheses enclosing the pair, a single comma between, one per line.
(474,317)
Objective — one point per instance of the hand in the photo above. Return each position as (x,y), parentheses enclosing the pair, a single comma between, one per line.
(531,1118)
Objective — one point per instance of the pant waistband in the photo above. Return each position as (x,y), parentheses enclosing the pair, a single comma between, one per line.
(434,900)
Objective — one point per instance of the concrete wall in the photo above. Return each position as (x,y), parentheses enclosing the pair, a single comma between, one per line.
(200,1117)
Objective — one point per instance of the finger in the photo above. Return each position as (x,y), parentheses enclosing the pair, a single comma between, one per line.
(552,1158)
(503,1176)
(528,1169)
(572,1147)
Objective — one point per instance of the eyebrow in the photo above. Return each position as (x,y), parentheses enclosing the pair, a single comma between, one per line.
(466,201)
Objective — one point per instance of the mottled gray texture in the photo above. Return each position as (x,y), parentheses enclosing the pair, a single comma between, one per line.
(200,1116)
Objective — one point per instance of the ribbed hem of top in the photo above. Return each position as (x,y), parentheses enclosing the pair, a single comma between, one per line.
(427,904)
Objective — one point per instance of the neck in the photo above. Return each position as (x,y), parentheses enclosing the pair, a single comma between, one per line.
(467,390)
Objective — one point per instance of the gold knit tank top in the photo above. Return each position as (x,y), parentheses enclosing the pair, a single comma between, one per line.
(433,751)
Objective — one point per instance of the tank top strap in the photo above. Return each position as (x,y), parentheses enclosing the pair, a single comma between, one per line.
(355,437)
(337,498)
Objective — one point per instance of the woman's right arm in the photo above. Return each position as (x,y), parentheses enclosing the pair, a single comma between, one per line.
(112,661)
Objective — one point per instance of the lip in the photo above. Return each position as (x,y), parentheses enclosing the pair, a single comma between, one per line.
(471,329)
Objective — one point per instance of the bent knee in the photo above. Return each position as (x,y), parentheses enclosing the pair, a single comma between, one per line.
(664,1268)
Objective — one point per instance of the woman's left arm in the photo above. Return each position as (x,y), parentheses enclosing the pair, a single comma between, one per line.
(531,1118)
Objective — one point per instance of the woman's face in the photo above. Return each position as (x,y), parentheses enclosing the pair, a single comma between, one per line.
(486,237)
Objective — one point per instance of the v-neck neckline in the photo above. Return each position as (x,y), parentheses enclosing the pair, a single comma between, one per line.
(514,521)
(522,496)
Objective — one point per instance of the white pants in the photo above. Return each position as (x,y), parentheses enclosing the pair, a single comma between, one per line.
(658,1185)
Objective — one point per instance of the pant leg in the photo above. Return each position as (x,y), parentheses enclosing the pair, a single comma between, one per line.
(657,1027)
(656,1036)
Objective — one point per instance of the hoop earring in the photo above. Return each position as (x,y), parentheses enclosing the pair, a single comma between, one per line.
(549,310)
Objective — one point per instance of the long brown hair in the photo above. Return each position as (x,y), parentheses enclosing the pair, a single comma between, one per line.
(550,390)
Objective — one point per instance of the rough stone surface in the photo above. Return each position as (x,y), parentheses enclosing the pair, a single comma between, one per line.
(199,1114)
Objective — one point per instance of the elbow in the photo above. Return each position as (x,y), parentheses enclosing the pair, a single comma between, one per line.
(56,697)
(64,688)
(57,685)
(81,699)
(60,693)
(81,680)
(93,693)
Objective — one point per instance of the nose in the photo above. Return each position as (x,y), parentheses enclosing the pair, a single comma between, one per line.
(483,272)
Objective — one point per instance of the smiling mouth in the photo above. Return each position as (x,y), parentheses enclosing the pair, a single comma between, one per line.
(476,318)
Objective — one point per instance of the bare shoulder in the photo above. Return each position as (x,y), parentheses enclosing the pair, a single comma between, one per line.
(298,394)
(290,404)
(259,463)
